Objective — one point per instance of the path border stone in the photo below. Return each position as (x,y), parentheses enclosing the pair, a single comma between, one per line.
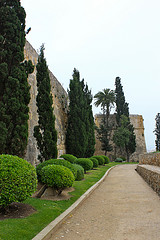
(46,233)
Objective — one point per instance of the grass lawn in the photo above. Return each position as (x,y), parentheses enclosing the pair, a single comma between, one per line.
(47,211)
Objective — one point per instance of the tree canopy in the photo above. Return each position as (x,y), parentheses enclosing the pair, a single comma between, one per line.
(45,132)
(157,132)
(105,99)
(80,138)
(14,88)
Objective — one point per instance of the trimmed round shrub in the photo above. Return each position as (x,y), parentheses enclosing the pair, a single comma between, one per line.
(95,162)
(57,177)
(70,158)
(85,163)
(80,172)
(106,159)
(18,179)
(100,159)
(55,162)
(119,160)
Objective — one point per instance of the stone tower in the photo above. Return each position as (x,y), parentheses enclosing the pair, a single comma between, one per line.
(60,104)
(137,122)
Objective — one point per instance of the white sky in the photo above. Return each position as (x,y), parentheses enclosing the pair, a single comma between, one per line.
(103,39)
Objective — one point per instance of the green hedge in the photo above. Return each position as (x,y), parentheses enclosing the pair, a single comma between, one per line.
(18,179)
(55,162)
(100,159)
(85,163)
(95,162)
(119,160)
(106,159)
(80,172)
(57,177)
(70,158)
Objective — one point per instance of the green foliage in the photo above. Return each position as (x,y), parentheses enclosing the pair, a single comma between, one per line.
(106,100)
(125,129)
(14,88)
(45,132)
(119,160)
(157,132)
(80,138)
(69,157)
(95,162)
(18,179)
(80,172)
(55,162)
(85,163)
(124,136)
(100,159)
(121,106)
(106,159)
(56,176)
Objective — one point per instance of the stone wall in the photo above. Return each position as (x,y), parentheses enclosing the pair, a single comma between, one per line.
(60,104)
(137,121)
(149,169)
(150,159)
(151,174)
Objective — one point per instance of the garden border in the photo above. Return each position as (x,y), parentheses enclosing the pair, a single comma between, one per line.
(46,233)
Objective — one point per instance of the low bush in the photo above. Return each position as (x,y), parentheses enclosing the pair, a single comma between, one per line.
(106,159)
(80,172)
(95,162)
(18,180)
(100,159)
(119,160)
(55,162)
(85,163)
(70,158)
(57,177)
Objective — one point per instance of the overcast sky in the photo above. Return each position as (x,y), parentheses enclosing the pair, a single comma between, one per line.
(103,39)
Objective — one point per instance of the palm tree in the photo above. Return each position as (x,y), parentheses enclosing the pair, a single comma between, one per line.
(105,99)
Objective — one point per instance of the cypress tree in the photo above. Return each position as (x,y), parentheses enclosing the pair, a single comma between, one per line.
(157,132)
(89,122)
(45,132)
(14,88)
(80,135)
(122,110)
(121,106)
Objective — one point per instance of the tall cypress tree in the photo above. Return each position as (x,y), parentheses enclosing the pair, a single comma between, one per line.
(89,122)
(122,110)
(121,105)
(157,132)
(80,134)
(14,88)
(45,132)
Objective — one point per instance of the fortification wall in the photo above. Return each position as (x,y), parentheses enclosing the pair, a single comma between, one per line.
(150,159)
(60,105)
(137,121)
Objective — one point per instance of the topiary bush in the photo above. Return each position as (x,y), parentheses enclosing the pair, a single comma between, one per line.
(70,158)
(85,163)
(80,172)
(57,177)
(100,159)
(95,162)
(18,180)
(55,162)
(119,160)
(106,159)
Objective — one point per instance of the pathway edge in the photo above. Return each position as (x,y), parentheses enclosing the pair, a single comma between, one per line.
(47,231)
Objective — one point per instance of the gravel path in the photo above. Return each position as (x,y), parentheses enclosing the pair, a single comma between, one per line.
(123,207)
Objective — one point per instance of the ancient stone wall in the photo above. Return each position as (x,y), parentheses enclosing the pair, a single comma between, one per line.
(137,121)
(150,159)
(60,105)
